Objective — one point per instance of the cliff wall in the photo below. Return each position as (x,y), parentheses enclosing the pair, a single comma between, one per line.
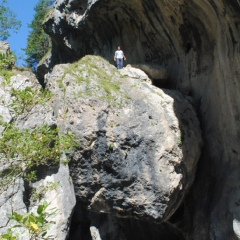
(198,42)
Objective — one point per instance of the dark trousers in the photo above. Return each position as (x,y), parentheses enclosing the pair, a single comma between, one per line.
(119,63)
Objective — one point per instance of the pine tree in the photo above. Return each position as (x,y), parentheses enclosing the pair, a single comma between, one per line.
(8,21)
(38,42)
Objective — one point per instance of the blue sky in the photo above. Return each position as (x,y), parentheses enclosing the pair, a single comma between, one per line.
(24,10)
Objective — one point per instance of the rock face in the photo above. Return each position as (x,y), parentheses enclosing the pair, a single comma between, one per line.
(135,73)
(7,55)
(139,148)
(4,48)
(139,144)
(19,196)
(198,43)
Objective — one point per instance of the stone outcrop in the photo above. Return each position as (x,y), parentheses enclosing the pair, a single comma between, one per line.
(4,48)
(135,73)
(6,56)
(139,148)
(139,144)
(158,75)
(198,43)
(19,195)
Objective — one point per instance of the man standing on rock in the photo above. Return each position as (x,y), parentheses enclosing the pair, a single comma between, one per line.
(119,56)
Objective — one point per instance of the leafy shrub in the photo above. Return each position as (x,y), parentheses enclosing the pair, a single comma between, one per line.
(23,150)
(24,100)
(36,225)
(7,60)
(7,74)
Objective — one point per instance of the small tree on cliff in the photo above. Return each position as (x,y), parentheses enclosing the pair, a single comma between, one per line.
(38,42)
(8,20)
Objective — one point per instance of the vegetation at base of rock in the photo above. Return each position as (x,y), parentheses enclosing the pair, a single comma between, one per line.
(7,60)
(8,21)
(24,100)
(22,150)
(35,225)
(7,74)
(38,42)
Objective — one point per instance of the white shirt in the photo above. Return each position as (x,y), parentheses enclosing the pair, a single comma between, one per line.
(119,54)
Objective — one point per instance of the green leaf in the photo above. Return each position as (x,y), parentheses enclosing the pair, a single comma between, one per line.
(17,217)
(17,226)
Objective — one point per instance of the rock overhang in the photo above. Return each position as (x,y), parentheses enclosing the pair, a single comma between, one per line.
(159,32)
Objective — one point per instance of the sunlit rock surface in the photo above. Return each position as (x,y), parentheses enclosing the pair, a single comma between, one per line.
(198,43)
(139,144)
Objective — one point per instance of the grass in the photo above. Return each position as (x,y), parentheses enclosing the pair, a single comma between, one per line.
(7,74)
(94,78)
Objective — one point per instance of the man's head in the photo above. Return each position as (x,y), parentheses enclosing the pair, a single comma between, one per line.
(119,47)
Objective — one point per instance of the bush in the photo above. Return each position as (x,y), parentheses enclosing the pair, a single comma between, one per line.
(7,60)
(36,225)
(23,150)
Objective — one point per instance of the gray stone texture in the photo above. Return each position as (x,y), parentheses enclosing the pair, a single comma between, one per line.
(198,43)
(139,144)
(18,196)
(61,198)
(4,48)
(137,155)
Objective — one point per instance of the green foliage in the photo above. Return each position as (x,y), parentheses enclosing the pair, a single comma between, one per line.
(180,140)
(38,42)
(111,146)
(7,60)
(8,21)
(24,100)
(9,235)
(22,149)
(95,81)
(36,225)
(7,74)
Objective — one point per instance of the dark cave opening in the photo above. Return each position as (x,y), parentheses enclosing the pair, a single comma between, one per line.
(110,227)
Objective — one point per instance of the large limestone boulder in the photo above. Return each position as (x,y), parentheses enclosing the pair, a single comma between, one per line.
(139,145)
(139,148)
